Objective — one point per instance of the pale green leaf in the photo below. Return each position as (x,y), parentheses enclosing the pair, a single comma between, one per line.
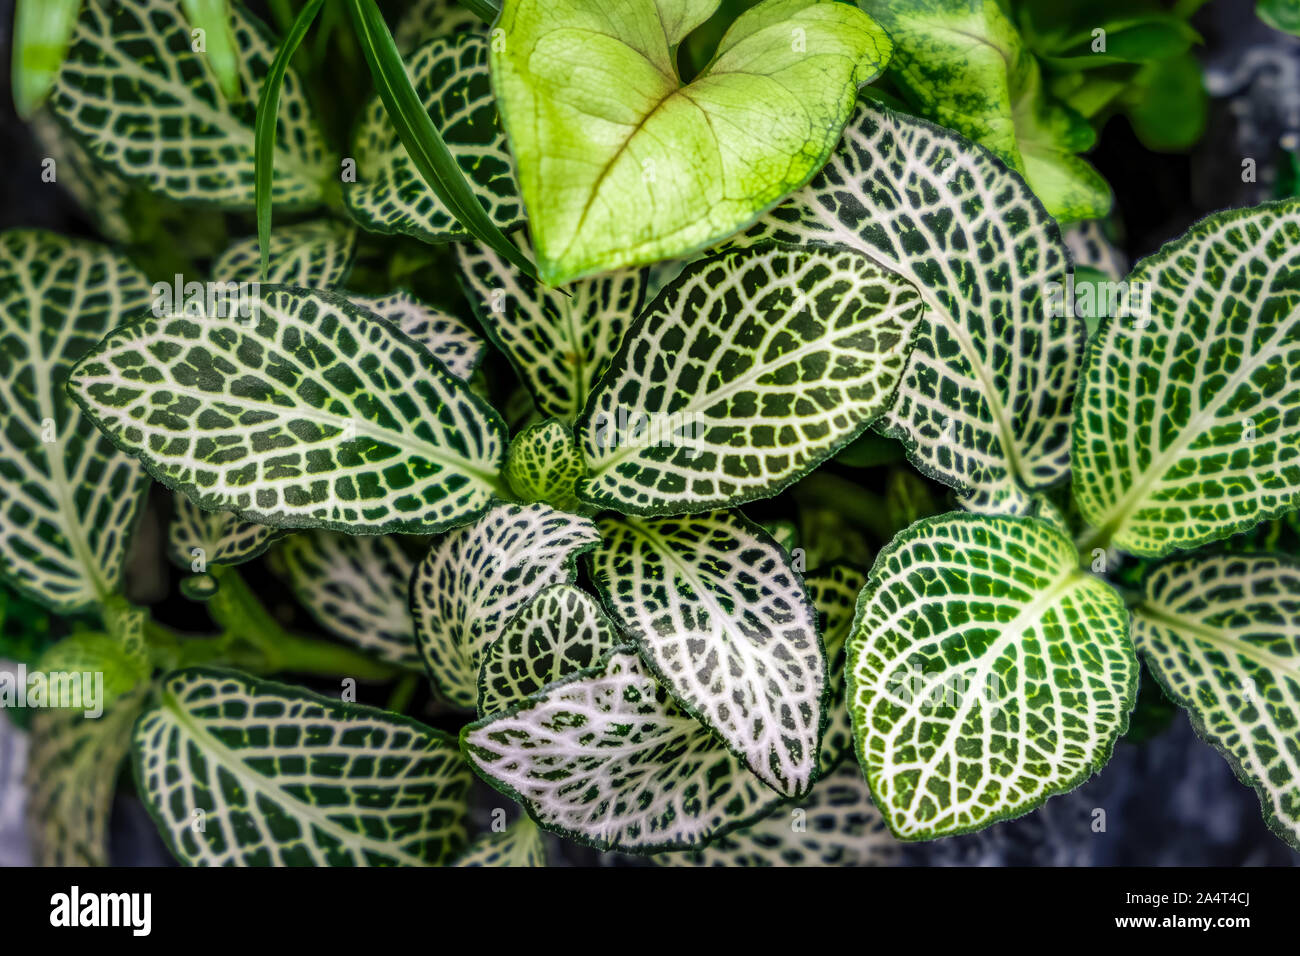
(748,371)
(310,412)
(986,672)
(544,464)
(243,772)
(621,164)
(316,254)
(725,622)
(68,498)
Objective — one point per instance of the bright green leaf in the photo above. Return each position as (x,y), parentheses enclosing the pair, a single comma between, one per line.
(1280,14)
(42,32)
(544,464)
(213,18)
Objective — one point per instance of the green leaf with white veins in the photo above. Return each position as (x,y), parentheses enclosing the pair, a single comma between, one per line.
(750,369)
(281,776)
(560,631)
(1187,428)
(544,464)
(723,619)
(310,412)
(984,405)
(197,538)
(356,587)
(474,580)
(1222,635)
(621,163)
(141,100)
(68,498)
(520,844)
(316,254)
(606,758)
(560,343)
(450,75)
(449,338)
(835,825)
(986,672)
(834,592)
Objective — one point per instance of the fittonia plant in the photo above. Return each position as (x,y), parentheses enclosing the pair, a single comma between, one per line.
(628,656)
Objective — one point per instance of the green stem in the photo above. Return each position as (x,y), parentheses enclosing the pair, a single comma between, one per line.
(401,696)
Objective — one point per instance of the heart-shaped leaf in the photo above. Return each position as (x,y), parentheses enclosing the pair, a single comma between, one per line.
(1187,427)
(1222,635)
(307,412)
(280,776)
(621,163)
(986,673)
(746,372)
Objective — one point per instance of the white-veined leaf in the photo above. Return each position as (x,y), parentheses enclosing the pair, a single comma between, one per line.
(544,464)
(1222,634)
(746,372)
(434,18)
(477,578)
(834,592)
(449,338)
(986,672)
(142,101)
(450,75)
(519,844)
(608,759)
(281,776)
(835,825)
(725,622)
(102,194)
(309,412)
(317,254)
(560,631)
(197,538)
(356,587)
(68,498)
(560,343)
(985,403)
(1187,427)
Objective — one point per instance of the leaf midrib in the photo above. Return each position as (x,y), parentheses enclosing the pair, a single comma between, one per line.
(1218,639)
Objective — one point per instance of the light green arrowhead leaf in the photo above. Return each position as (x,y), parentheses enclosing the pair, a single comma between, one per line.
(607,759)
(449,338)
(1222,635)
(139,98)
(724,621)
(317,254)
(309,412)
(748,371)
(243,772)
(558,632)
(985,403)
(835,825)
(1187,428)
(834,592)
(544,464)
(197,538)
(621,163)
(450,75)
(519,844)
(474,580)
(560,343)
(964,65)
(986,672)
(356,587)
(68,498)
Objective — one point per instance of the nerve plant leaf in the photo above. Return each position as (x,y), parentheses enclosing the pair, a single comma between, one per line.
(560,631)
(1222,635)
(985,403)
(474,580)
(621,163)
(544,464)
(450,76)
(746,372)
(68,498)
(434,18)
(307,412)
(986,673)
(170,127)
(835,825)
(197,538)
(519,844)
(724,621)
(316,254)
(834,592)
(356,587)
(560,343)
(1188,423)
(608,759)
(449,338)
(281,776)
